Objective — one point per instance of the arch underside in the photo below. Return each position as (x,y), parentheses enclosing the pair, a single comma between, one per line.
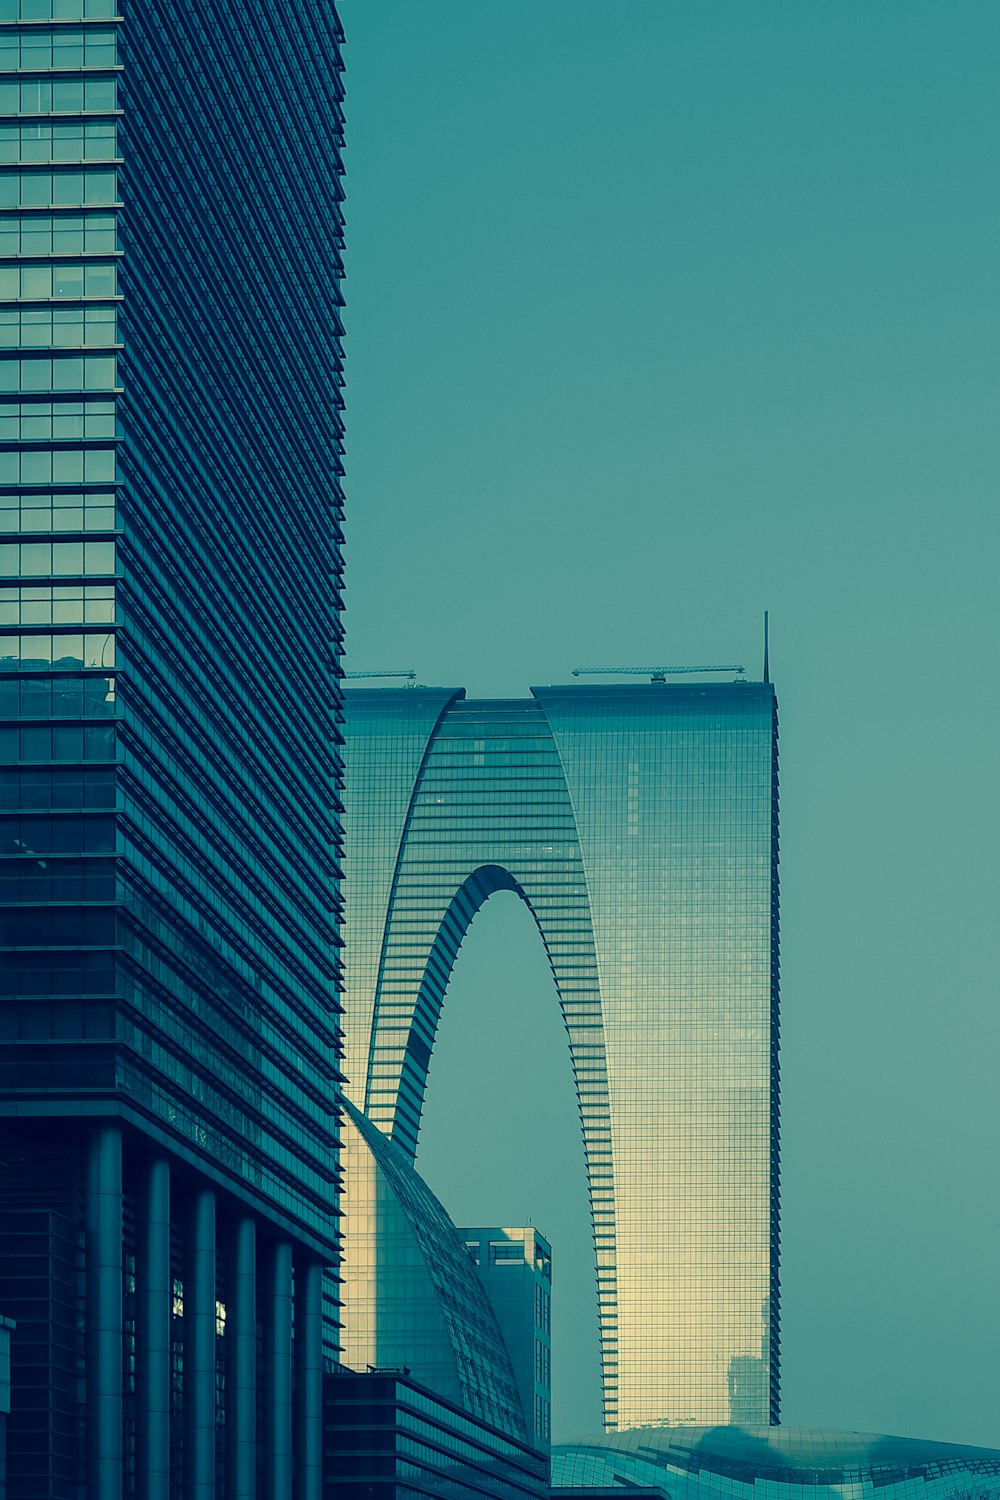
(397,1078)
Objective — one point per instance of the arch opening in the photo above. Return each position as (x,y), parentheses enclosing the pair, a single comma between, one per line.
(500,1141)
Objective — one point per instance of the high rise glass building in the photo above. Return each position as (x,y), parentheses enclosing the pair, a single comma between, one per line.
(170,504)
(639,825)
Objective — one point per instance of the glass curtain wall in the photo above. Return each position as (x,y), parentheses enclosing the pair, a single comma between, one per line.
(639,824)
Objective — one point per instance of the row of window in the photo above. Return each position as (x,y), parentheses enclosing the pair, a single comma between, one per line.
(84,372)
(74,140)
(64,652)
(48,742)
(56,927)
(69,189)
(66,466)
(55,698)
(543,1364)
(38,51)
(67,788)
(39,282)
(62,835)
(47,512)
(40,559)
(63,1021)
(70,234)
(20,420)
(61,604)
(36,974)
(57,880)
(57,327)
(58,10)
(58,96)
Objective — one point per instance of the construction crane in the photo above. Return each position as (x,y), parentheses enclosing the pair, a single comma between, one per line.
(655,674)
(359,676)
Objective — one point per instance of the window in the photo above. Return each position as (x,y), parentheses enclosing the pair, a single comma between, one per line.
(39,559)
(78,140)
(66,235)
(57,10)
(66,327)
(68,651)
(35,283)
(62,421)
(68,603)
(40,51)
(506,1252)
(89,372)
(44,511)
(55,189)
(46,96)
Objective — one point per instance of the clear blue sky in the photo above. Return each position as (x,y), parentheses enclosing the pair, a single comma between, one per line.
(661,313)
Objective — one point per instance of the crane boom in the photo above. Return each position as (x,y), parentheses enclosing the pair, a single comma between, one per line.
(656,674)
(355,676)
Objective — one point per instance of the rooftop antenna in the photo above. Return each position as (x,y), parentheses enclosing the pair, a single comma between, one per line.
(767,668)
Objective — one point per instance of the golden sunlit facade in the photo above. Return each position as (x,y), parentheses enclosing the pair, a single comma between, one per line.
(639,825)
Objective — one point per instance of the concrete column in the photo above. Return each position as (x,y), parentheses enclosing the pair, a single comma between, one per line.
(308,1381)
(103,1253)
(152,1334)
(199,1348)
(277,1321)
(241,1363)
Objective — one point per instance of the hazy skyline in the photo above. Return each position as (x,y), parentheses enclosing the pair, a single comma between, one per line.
(659,316)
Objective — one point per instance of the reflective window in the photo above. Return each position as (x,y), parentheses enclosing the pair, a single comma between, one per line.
(42,50)
(42,511)
(92,140)
(57,189)
(83,604)
(46,328)
(86,372)
(66,235)
(37,559)
(57,10)
(47,652)
(47,96)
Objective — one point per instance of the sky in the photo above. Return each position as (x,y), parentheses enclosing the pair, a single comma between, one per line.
(660,314)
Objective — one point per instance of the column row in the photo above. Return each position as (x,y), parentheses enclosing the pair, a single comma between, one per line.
(267,1288)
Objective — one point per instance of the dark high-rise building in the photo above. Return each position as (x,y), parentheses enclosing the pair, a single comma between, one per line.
(639,825)
(170,251)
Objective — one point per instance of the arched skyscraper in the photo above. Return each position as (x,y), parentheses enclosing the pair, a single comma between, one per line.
(639,825)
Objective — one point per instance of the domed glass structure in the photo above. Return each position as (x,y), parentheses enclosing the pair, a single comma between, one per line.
(776,1463)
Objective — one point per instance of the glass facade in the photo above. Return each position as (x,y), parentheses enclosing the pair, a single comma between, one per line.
(639,824)
(774,1463)
(170,514)
(169,518)
(410,1293)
